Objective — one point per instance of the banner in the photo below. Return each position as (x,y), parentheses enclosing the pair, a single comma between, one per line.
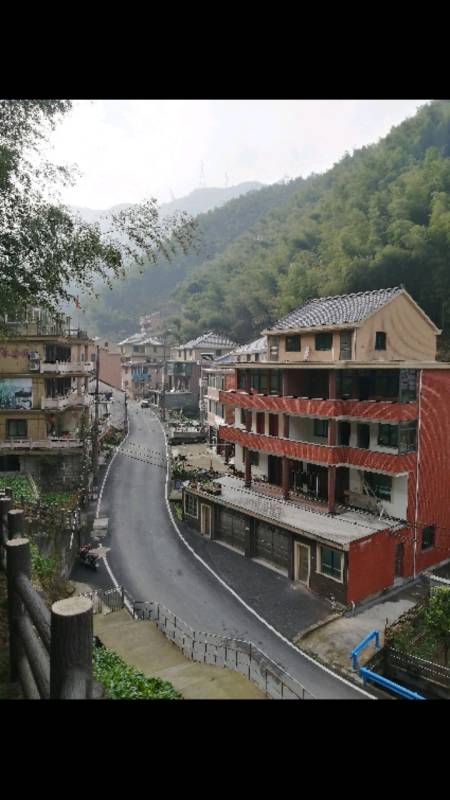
(16,393)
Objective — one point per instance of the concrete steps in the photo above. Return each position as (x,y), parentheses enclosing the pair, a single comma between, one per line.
(144,647)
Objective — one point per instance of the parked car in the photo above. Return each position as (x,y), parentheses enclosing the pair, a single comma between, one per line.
(145,404)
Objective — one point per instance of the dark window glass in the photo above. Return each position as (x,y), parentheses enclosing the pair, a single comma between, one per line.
(256,356)
(241,379)
(408,379)
(363,436)
(190,505)
(407,437)
(17,428)
(344,429)
(428,537)
(242,416)
(293,344)
(321,427)
(324,341)
(380,340)
(275,382)
(248,358)
(381,485)
(344,384)
(331,562)
(388,435)
(254,458)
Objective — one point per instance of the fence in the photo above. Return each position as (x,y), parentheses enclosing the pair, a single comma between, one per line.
(235,654)
(50,650)
(418,667)
(111,599)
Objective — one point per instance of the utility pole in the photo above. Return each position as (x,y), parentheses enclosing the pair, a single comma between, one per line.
(126,413)
(163,379)
(95,427)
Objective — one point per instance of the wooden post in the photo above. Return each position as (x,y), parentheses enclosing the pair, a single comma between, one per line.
(248,468)
(5,505)
(18,563)
(71,649)
(15,523)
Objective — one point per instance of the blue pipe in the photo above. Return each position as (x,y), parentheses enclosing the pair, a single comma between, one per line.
(367,674)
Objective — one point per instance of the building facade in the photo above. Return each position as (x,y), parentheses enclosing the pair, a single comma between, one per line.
(341,448)
(44,372)
(142,359)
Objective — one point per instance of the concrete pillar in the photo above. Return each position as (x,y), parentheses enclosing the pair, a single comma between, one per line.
(248,469)
(285,477)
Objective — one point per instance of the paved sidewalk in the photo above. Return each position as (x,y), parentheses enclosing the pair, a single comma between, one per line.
(334,641)
(143,646)
(288,606)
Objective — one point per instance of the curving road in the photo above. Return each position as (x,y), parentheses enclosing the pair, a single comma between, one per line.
(149,560)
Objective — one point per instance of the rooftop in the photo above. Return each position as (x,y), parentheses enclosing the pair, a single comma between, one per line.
(341,529)
(341,309)
(209,339)
(257,346)
(141,338)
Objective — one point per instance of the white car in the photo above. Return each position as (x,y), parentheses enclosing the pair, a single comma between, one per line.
(145,404)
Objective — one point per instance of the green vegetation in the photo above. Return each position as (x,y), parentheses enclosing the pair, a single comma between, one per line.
(178,510)
(427,633)
(378,218)
(122,682)
(63,500)
(19,485)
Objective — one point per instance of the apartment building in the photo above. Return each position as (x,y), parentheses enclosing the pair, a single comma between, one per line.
(44,372)
(142,359)
(342,448)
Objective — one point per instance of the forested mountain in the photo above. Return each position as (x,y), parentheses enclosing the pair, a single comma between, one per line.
(116,312)
(378,218)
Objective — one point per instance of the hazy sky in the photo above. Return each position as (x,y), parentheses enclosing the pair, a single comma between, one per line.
(128,150)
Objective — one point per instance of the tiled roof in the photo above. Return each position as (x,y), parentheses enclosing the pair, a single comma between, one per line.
(141,338)
(257,346)
(209,339)
(338,310)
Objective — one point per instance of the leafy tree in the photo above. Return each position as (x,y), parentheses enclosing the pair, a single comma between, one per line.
(437,617)
(46,253)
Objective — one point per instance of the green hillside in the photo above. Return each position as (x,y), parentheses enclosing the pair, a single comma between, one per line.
(378,218)
(116,312)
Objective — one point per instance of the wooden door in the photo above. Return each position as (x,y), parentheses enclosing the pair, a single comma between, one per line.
(205,520)
(302,563)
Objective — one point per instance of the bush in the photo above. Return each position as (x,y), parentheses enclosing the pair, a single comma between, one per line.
(20,487)
(122,682)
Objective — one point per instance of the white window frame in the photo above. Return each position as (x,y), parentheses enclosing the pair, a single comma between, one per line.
(319,563)
(188,514)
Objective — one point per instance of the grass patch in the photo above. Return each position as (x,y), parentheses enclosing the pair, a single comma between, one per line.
(122,682)
(178,511)
(63,500)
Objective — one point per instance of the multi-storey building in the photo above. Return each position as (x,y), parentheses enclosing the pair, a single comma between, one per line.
(44,372)
(204,348)
(142,359)
(343,442)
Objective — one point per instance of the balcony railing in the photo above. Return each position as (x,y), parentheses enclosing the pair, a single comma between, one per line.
(320,453)
(39,328)
(67,367)
(378,410)
(51,443)
(65,401)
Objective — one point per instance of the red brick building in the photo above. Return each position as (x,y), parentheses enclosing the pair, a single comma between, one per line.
(342,448)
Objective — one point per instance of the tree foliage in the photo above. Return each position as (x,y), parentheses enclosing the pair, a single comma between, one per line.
(47,254)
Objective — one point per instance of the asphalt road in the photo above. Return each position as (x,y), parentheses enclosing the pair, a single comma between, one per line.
(149,560)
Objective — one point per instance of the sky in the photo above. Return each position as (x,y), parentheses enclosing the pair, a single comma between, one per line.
(130,150)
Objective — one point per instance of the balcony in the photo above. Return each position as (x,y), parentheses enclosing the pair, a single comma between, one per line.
(320,453)
(51,443)
(39,328)
(67,367)
(71,400)
(377,410)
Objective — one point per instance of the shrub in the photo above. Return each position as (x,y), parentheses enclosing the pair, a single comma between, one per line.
(122,682)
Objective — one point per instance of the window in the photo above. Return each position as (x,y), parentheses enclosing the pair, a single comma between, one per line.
(331,563)
(256,356)
(388,435)
(241,379)
(273,348)
(242,416)
(137,348)
(363,436)
(293,344)
(275,382)
(381,485)
(324,341)
(321,427)
(254,458)
(380,340)
(344,431)
(407,437)
(190,505)
(218,353)
(16,428)
(248,358)
(428,537)
(344,384)
(408,383)
(260,422)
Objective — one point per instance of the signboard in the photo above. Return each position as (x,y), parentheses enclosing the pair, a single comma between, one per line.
(16,393)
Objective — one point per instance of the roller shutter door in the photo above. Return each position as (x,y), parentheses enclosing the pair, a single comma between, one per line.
(272,545)
(231,529)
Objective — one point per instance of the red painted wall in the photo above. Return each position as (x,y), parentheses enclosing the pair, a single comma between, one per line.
(434,469)
(110,368)
(371,565)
